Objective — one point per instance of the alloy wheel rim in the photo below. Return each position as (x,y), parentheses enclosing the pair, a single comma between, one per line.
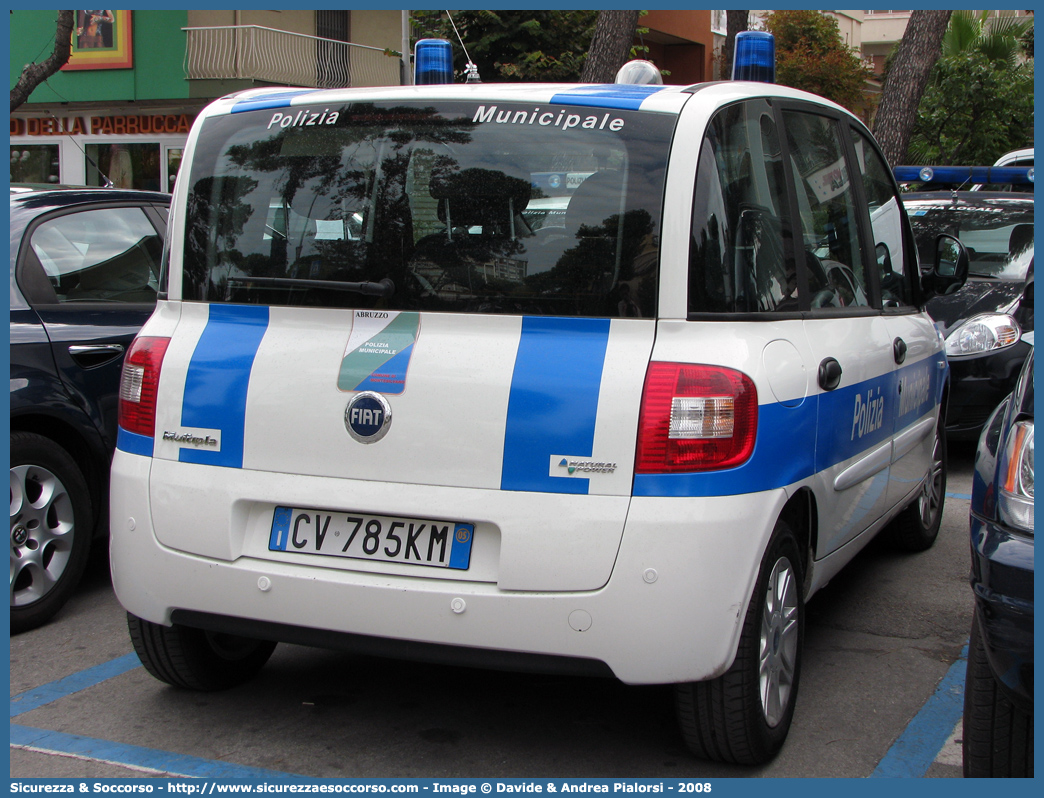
(930,500)
(779,642)
(42,531)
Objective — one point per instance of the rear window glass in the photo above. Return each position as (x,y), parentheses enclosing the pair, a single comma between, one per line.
(484,208)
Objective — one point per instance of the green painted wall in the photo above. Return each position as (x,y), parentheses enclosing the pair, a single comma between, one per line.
(159,54)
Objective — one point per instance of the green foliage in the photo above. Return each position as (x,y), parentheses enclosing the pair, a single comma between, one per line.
(973,111)
(979,102)
(811,55)
(514,46)
(998,38)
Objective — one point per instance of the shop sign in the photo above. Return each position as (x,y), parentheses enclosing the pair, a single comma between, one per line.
(124,125)
(51,126)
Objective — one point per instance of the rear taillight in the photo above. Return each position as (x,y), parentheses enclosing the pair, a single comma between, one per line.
(695,418)
(141,371)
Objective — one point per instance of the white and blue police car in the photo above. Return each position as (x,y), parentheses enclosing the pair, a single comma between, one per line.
(377,409)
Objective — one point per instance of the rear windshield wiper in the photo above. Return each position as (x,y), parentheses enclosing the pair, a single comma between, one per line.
(383,288)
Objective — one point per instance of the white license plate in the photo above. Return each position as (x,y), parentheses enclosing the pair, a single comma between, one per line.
(416,541)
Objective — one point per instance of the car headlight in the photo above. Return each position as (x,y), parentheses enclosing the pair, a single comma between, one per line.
(983,334)
(1015,480)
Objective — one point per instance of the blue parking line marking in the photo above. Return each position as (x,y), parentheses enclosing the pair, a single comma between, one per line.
(137,757)
(965,496)
(46,693)
(121,754)
(924,737)
(909,757)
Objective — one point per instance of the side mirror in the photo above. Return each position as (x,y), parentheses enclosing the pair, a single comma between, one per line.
(950,269)
(1024,314)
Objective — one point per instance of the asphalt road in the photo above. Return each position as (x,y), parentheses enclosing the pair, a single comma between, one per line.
(880,639)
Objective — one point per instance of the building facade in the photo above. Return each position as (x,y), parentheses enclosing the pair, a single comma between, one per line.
(681,42)
(120,111)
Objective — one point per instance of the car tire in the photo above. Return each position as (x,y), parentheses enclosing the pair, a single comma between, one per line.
(733,718)
(196,659)
(917,525)
(997,735)
(51,527)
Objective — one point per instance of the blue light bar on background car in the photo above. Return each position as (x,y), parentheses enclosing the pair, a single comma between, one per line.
(754,57)
(964,174)
(432,62)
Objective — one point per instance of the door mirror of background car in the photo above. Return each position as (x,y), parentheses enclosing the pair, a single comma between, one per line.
(1024,315)
(950,270)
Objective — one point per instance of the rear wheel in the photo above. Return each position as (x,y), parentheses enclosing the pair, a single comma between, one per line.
(917,526)
(196,659)
(998,736)
(744,715)
(51,528)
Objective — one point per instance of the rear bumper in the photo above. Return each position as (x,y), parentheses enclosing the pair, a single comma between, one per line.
(670,612)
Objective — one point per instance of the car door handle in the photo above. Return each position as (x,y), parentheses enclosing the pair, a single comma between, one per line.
(90,356)
(829,374)
(899,350)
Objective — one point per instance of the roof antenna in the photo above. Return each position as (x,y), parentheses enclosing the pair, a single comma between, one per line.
(471,70)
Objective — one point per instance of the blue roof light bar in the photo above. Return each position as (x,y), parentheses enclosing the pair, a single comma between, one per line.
(964,174)
(433,62)
(754,57)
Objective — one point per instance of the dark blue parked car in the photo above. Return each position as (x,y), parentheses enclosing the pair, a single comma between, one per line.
(998,699)
(85,272)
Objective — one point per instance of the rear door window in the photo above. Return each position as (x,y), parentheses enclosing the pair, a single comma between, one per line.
(886,224)
(101,255)
(496,208)
(828,212)
(737,260)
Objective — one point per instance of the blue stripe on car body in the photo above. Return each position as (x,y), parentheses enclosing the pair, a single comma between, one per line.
(569,354)
(854,419)
(133,443)
(218,378)
(263,102)
(553,402)
(621,96)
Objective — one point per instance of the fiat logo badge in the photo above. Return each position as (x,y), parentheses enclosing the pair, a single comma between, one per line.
(367,417)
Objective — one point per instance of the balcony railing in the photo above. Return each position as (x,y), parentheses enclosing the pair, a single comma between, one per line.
(252,52)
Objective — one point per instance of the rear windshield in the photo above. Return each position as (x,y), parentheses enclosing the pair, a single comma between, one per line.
(483,208)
